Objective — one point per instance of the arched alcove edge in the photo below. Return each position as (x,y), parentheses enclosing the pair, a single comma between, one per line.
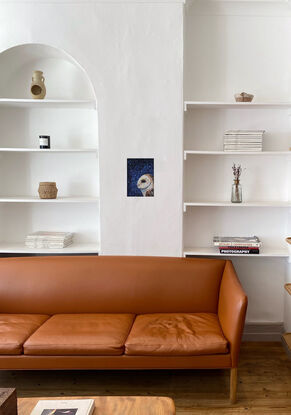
(65,77)
(69,88)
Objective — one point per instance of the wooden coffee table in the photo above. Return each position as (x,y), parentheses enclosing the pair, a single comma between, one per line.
(113,405)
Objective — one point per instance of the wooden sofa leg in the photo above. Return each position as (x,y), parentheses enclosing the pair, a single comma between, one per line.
(233,384)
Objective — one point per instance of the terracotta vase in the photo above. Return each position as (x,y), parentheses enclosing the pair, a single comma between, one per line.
(37,88)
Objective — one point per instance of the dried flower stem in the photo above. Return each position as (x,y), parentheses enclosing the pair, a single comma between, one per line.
(236,171)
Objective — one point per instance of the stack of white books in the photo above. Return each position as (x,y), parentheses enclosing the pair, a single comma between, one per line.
(243,140)
(49,240)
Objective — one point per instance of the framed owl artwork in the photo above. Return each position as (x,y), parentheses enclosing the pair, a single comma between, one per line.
(140,177)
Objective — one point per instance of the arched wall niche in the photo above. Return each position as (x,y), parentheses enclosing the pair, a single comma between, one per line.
(64,76)
(68,114)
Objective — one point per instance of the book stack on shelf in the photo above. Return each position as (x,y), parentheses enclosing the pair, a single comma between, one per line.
(237,245)
(49,240)
(243,140)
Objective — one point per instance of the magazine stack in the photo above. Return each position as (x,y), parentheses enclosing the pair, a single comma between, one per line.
(229,245)
(49,240)
(243,140)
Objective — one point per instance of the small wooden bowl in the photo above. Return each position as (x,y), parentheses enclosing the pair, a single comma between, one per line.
(47,190)
(243,97)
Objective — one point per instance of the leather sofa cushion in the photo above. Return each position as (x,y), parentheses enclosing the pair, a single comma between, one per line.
(15,329)
(81,334)
(178,334)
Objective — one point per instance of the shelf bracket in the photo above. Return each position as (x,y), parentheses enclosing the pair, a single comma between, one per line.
(185,208)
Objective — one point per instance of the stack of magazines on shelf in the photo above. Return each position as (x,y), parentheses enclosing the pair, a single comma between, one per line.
(49,240)
(243,140)
(229,245)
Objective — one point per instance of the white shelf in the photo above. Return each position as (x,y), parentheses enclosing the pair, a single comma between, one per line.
(235,153)
(237,205)
(20,248)
(47,103)
(233,105)
(212,251)
(51,150)
(69,117)
(36,199)
(245,1)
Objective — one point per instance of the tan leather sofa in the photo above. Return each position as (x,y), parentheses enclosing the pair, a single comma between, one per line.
(120,313)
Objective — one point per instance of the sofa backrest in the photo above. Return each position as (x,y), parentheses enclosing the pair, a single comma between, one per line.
(91,284)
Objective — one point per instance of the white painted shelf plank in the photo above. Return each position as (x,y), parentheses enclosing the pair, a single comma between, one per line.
(47,103)
(212,251)
(248,1)
(233,105)
(51,150)
(75,248)
(237,205)
(235,153)
(36,199)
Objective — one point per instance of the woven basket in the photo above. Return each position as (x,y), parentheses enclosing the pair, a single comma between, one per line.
(47,190)
(244,97)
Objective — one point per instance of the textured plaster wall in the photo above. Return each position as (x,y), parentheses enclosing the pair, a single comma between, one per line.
(133,53)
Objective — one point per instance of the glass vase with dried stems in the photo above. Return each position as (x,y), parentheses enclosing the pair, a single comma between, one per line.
(236,191)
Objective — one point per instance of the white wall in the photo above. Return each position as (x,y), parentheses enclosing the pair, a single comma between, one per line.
(234,47)
(133,53)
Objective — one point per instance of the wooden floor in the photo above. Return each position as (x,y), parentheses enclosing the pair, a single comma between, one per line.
(264,384)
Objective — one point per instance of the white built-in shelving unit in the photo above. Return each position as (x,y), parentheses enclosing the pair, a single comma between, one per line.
(208,210)
(209,251)
(76,248)
(230,47)
(36,199)
(237,205)
(69,115)
(48,103)
(235,105)
(47,151)
(188,153)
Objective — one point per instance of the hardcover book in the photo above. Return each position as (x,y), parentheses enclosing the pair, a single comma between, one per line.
(239,251)
(64,407)
(250,241)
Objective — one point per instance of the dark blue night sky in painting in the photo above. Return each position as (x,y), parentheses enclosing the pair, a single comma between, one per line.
(135,169)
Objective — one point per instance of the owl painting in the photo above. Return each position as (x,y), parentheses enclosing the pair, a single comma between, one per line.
(140,177)
(146,184)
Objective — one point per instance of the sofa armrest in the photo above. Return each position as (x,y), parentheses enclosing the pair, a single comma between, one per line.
(232,306)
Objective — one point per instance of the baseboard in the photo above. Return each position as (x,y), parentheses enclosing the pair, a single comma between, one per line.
(263,332)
